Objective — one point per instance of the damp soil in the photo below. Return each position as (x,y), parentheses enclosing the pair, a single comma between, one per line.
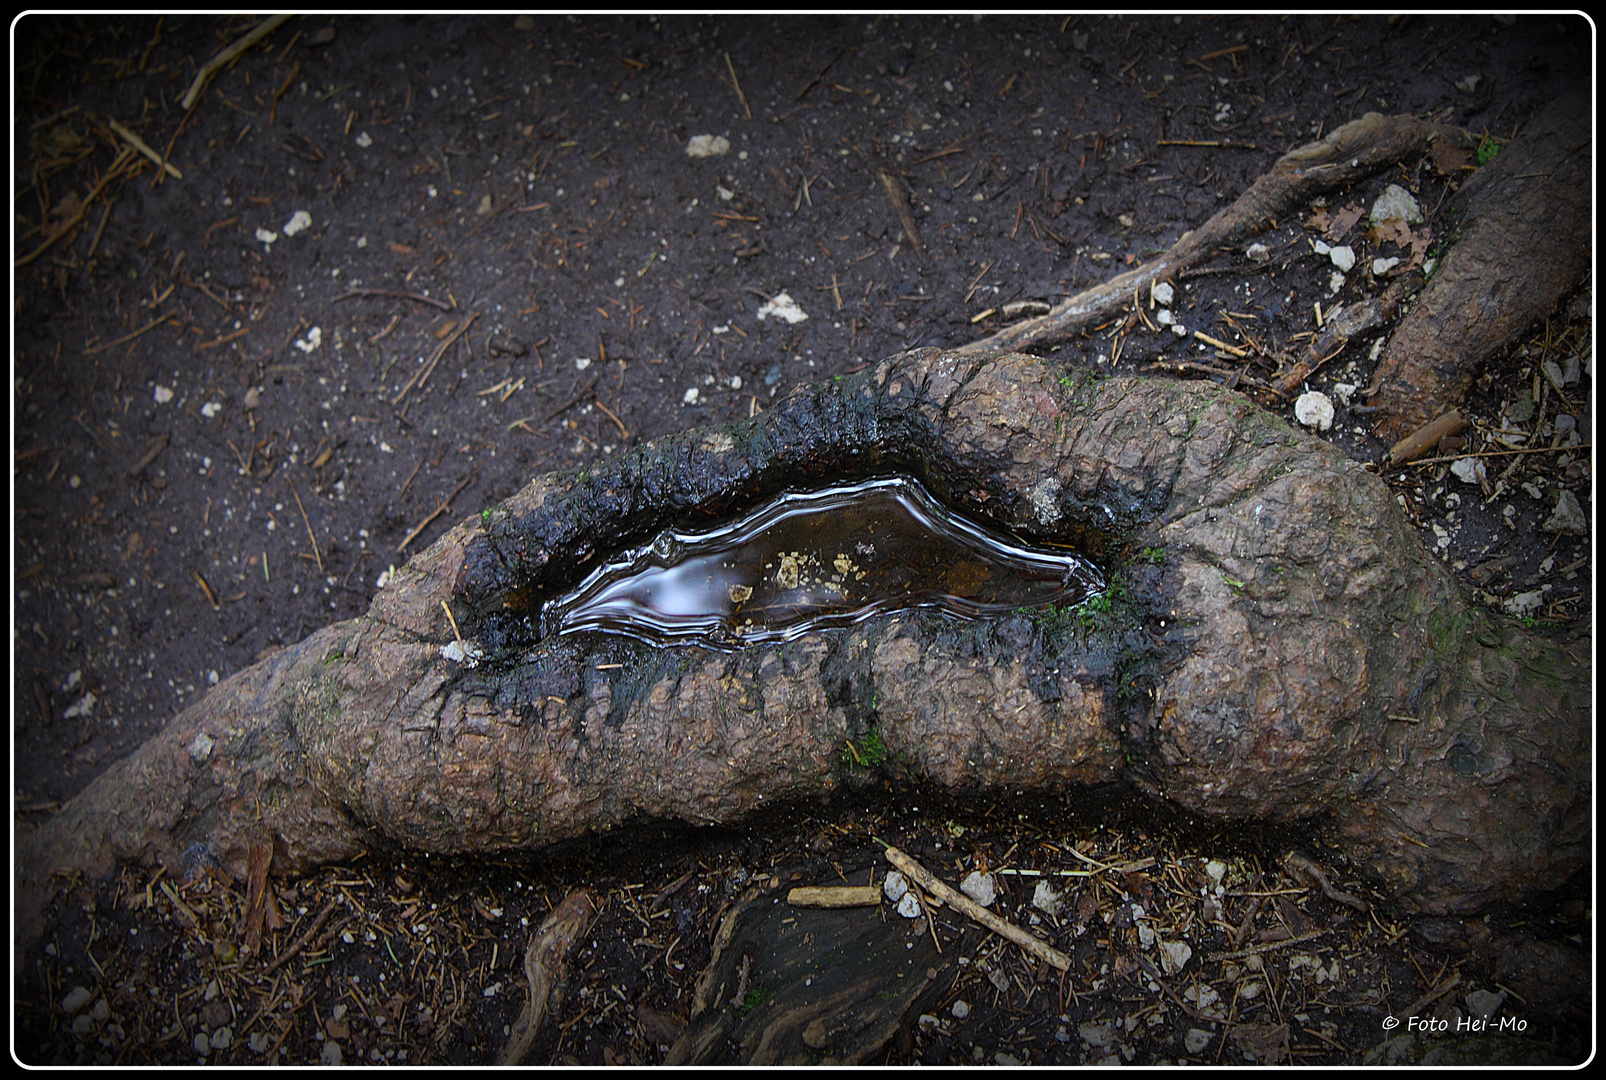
(511,264)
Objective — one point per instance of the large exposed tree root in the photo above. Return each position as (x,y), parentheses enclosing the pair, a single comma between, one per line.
(1278,647)
(1525,244)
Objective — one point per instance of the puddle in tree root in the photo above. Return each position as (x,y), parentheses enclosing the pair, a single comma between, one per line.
(816,560)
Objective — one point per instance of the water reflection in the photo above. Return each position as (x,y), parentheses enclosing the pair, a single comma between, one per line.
(813,560)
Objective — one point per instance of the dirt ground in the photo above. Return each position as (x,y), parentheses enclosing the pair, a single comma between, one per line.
(396,266)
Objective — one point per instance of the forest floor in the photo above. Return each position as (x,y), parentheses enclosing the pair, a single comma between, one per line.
(394,267)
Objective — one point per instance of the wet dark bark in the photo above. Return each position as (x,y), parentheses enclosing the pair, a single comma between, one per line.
(1525,244)
(1280,647)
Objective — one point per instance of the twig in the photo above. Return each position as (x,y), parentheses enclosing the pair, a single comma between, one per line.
(1222,345)
(970,291)
(139,144)
(399,294)
(834,896)
(812,83)
(421,376)
(445,505)
(1432,995)
(301,942)
(620,424)
(257,33)
(1503,453)
(962,903)
(738,86)
(1425,437)
(1207,142)
(279,93)
(1172,994)
(123,157)
(157,445)
(900,206)
(308,524)
(578,394)
(211,597)
(152,325)
(1303,866)
(1270,946)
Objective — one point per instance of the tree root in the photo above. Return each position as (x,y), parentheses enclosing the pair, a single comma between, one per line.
(1347,154)
(1278,647)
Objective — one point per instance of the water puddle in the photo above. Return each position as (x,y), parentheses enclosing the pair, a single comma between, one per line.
(806,562)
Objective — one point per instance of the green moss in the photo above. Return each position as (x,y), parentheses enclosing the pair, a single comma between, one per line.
(755,997)
(870,753)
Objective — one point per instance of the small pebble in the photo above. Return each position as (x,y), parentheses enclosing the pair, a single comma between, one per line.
(979,887)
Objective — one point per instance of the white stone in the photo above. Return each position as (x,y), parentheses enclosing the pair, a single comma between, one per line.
(1343,258)
(909,906)
(1162,292)
(1196,1040)
(76,999)
(1314,409)
(222,1038)
(459,652)
(298,221)
(267,236)
(1553,373)
(708,145)
(1383,266)
(690,396)
(1258,252)
(960,1009)
(582,362)
(163,395)
(1096,1035)
(979,887)
(1569,518)
(1483,1004)
(201,750)
(331,1054)
(364,140)
(1174,956)
(784,307)
(893,887)
(1523,603)
(201,1043)
(1469,470)
(1396,202)
(1345,391)
(1046,899)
